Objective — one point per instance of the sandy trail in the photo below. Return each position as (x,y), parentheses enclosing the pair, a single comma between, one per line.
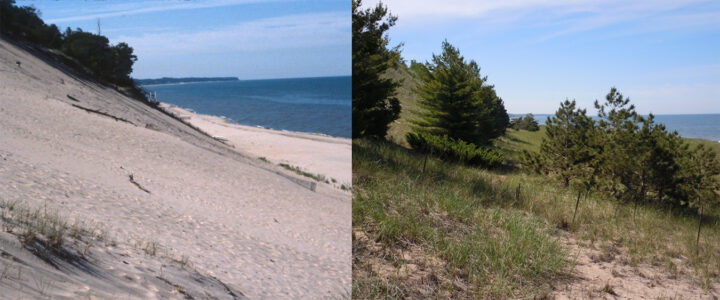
(233,217)
(327,156)
(604,272)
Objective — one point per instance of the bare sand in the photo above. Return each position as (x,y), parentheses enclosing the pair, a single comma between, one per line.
(604,271)
(317,154)
(231,215)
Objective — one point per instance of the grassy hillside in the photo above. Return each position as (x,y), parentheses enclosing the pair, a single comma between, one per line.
(451,231)
(408,101)
(462,232)
(457,231)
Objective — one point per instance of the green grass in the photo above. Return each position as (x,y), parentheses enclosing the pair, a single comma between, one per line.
(709,144)
(468,224)
(514,142)
(408,101)
(465,238)
(458,232)
(299,171)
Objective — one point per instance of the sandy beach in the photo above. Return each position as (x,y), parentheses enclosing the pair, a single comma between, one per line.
(88,153)
(317,154)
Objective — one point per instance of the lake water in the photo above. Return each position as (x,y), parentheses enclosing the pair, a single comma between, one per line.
(704,126)
(316,105)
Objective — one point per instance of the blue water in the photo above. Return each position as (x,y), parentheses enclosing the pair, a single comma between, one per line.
(704,126)
(316,105)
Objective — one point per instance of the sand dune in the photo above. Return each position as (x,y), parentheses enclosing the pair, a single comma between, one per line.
(230,214)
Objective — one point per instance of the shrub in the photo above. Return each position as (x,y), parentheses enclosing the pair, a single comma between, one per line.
(455,150)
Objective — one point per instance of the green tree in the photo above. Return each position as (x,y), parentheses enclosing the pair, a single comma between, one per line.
(456,101)
(565,149)
(701,170)
(374,104)
(122,63)
(617,159)
(526,122)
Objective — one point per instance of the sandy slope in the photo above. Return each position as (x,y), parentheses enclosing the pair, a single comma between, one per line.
(328,156)
(605,272)
(233,216)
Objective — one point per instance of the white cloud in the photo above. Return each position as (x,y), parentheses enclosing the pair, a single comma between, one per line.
(580,15)
(287,32)
(139,8)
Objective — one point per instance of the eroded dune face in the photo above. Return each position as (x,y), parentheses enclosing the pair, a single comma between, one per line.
(91,154)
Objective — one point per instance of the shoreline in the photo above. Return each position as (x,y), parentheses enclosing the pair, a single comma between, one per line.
(315,153)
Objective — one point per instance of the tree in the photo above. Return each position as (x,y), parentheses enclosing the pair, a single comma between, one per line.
(617,159)
(565,149)
(123,62)
(701,185)
(374,104)
(456,100)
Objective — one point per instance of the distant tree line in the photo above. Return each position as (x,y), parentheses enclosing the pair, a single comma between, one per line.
(106,63)
(628,156)
(526,122)
(182,79)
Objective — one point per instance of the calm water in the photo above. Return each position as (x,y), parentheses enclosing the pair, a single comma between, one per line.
(705,126)
(316,105)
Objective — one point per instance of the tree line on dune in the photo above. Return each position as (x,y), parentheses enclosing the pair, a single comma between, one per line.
(460,114)
(628,156)
(95,55)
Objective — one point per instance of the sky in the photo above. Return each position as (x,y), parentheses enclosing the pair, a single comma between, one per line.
(249,39)
(663,55)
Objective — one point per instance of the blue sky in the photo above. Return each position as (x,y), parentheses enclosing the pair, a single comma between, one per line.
(250,39)
(664,55)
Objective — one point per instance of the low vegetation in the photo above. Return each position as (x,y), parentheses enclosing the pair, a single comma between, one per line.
(47,227)
(299,171)
(450,231)
(449,149)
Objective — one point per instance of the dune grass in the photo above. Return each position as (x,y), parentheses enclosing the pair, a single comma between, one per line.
(301,172)
(514,142)
(408,100)
(448,232)
(457,231)
(479,233)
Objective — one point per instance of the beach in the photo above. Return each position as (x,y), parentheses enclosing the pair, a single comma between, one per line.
(163,192)
(328,156)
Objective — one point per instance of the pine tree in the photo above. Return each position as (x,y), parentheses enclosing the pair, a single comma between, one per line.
(617,159)
(374,104)
(702,168)
(565,149)
(456,101)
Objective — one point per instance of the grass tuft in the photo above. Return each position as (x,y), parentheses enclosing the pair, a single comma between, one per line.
(299,171)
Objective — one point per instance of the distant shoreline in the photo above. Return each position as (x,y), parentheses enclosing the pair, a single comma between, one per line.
(166,80)
(184,82)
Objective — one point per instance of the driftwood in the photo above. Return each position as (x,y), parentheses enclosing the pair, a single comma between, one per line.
(102,114)
(72,98)
(132,180)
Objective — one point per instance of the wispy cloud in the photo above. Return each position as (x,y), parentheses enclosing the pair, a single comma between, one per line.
(125,9)
(287,32)
(565,16)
